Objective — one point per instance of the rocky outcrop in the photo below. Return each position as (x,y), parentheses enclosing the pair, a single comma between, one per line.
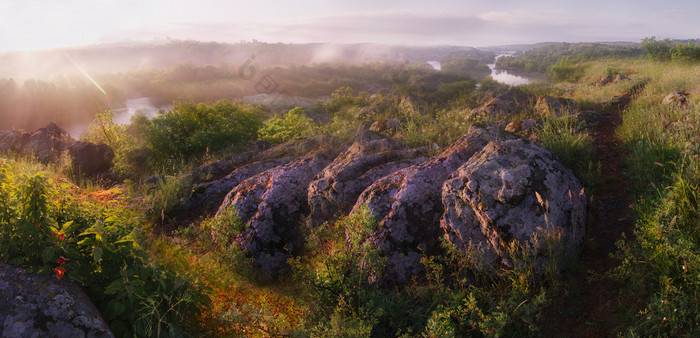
(337,187)
(513,190)
(49,143)
(208,195)
(45,144)
(12,140)
(42,306)
(222,167)
(271,204)
(550,106)
(90,159)
(677,98)
(407,203)
(506,104)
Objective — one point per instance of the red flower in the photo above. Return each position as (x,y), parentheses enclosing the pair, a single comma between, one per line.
(61,260)
(60,272)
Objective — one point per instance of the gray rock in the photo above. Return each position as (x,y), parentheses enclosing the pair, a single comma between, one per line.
(206,195)
(46,144)
(259,151)
(42,306)
(550,106)
(677,98)
(506,104)
(337,187)
(91,159)
(407,203)
(272,203)
(513,189)
(12,140)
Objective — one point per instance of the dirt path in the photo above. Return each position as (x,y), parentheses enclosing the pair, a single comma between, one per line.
(589,307)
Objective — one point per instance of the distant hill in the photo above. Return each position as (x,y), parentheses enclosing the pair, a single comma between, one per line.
(112,58)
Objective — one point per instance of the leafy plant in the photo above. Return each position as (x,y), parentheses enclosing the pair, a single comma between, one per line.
(190,130)
(45,228)
(295,123)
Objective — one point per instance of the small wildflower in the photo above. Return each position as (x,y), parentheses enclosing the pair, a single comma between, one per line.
(60,272)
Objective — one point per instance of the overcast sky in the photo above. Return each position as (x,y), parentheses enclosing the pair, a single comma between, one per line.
(40,24)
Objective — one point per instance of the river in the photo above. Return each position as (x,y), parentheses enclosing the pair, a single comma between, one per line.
(141,105)
(500,75)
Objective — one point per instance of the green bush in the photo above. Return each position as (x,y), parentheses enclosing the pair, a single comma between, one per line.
(685,52)
(122,139)
(566,70)
(657,50)
(45,228)
(189,130)
(295,123)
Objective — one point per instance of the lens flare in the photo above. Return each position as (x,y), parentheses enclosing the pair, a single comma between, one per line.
(85,73)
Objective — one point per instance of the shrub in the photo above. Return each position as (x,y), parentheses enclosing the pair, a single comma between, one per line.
(122,139)
(295,123)
(657,50)
(566,70)
(190,130)
(45,228)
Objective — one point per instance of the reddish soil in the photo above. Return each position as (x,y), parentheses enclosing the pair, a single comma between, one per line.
(589,306)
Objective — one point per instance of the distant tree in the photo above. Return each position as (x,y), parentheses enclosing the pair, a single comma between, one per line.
(657,50)
(689,52)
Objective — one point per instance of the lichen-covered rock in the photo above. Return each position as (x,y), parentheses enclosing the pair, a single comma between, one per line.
(271,204)
(91,159)
(42,306)
(556,106)
(513,189)
(337,187)
(509,103)
(211,194)
(408,205)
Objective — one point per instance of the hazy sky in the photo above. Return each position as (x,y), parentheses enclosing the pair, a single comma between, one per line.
(39,24)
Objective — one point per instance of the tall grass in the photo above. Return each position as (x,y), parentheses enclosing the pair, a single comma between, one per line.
(659,267)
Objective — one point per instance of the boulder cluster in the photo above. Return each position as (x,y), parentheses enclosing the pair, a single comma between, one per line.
(482,192)
(48,144)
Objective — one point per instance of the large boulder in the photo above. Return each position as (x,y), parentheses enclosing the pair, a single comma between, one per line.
(47,144)
(550,106)
(509,103)
(514,190)
(407,203)
(204,196)
(12,140)
(337,187)
(42,306)
(271,204)
(91,159)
